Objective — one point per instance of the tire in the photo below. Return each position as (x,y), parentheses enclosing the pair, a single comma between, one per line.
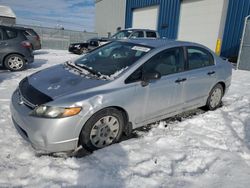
(14,62)
(102,129)
(215,96)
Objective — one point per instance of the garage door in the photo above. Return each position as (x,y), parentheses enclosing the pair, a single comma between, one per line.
(145,18)
(200,21)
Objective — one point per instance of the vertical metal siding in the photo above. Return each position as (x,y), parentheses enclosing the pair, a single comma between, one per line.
(237,11)
(169,11)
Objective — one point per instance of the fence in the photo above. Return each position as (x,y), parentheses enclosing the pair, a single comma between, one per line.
(244,54)
(53,38)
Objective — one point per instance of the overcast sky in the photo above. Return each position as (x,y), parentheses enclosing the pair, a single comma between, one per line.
(70,14)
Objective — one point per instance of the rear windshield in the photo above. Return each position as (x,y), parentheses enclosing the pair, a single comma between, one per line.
(151,34)
(30,32)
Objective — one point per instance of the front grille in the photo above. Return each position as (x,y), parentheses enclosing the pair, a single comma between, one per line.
(30,95)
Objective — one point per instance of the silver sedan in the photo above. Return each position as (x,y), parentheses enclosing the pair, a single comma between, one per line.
(116,88)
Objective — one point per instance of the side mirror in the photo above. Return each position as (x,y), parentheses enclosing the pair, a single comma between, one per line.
(147,77)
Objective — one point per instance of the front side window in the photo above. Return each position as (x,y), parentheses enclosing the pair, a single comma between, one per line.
(113,58)
(166,62)
(137,34)
(198,58)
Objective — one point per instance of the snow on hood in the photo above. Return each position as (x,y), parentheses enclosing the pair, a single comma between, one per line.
(59,81)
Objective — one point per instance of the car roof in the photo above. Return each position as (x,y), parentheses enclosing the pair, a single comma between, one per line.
(17,27)
(157,43)
(136,29)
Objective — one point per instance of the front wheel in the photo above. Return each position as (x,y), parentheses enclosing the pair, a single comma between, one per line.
(102,129)
(215,96)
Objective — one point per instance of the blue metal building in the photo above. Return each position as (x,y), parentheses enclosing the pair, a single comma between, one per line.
(169,20)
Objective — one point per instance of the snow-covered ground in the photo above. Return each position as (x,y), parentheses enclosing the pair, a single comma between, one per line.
(209,149)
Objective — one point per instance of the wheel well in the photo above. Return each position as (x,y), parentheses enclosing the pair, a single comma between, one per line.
(9,55)
(128,125)
(223,86)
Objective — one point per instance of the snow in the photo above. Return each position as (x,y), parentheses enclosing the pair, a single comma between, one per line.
(208,149)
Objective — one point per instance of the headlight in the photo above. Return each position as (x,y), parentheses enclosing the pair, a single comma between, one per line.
(55,112)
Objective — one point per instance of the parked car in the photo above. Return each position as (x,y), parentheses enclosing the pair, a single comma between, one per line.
(15,49)
(124,34)
(32,37)
(79,48)
(115,88)
(82,48)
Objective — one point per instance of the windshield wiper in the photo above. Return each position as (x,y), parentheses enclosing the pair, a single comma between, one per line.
(88,69)
(80,68)
(72,65)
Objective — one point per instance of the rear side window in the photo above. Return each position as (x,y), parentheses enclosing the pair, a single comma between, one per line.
(198,58)
(11,33)
(151,34)
(137,34)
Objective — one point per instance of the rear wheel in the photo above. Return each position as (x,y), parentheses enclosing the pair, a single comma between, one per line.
(14,62)
(215,96)
(102,129)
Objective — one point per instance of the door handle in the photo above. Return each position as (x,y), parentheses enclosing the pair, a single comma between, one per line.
(180,80)
(211,73)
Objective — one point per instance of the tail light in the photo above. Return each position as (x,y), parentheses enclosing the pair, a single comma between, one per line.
(26,44)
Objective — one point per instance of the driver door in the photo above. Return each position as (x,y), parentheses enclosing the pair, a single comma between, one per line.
(163,96)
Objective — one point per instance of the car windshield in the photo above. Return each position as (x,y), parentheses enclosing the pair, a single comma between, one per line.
(122,34)
(112,59)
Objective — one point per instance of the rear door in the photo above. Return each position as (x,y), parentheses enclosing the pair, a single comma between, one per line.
(201,76)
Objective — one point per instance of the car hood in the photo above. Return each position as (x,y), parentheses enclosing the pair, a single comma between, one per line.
(59,81)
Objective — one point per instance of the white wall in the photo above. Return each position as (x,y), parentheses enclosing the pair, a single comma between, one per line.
(110,14)
(202,21)
(146,18)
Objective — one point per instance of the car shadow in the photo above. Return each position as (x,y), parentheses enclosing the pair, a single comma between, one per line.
(37,63)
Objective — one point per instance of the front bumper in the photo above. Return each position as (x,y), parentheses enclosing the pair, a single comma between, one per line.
(50,135)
